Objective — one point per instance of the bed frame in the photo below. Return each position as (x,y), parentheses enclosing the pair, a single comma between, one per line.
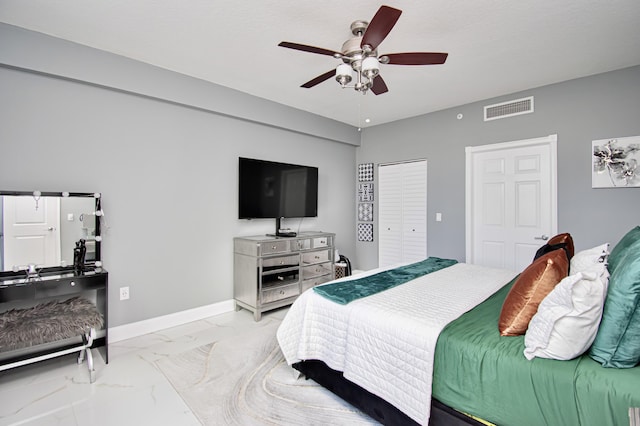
(374,406)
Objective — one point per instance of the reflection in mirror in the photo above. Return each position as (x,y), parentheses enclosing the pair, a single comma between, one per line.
(42,228)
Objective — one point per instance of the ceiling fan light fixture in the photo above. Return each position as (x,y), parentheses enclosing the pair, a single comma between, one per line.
(343,74)
(370,67)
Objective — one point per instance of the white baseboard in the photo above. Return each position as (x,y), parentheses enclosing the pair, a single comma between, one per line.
(135,329)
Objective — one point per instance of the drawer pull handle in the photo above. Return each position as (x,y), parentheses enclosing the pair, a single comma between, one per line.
(282,262)
(273,247)
(280,278)
(73,283)
(317,257)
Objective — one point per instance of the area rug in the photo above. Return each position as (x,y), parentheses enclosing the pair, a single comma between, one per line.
(244,380)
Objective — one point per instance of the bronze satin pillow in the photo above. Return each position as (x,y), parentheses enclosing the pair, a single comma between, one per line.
(560,241)
(533,285)
(563,239)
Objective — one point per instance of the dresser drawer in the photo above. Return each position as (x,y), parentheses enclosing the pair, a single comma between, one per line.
(316,270)
(273,247)
(312,282)
(315,256)
(280,262)
(321,242)
(279,293)
(67,286)
(302,244)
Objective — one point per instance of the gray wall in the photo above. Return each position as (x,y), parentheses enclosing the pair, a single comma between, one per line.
(163,148)
(578,111)
(165,161)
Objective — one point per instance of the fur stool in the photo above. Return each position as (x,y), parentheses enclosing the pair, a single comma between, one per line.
(50,322)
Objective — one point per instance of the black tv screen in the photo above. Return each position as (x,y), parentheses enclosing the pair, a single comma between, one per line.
(268,189)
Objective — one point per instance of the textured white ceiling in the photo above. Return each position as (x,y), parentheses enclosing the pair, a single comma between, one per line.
(495,47)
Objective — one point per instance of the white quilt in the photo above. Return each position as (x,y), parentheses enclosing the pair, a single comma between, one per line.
(385,343)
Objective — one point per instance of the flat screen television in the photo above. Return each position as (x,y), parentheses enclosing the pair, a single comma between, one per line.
(268,189)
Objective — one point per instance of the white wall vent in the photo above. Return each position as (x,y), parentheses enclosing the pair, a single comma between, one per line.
(508,109)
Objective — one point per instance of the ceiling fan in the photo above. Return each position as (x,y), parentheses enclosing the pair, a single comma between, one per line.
(360,54)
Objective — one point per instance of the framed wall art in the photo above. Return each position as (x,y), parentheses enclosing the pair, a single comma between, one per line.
(365,192)
(365,212)
(615,163)
(365,232)
(365,172)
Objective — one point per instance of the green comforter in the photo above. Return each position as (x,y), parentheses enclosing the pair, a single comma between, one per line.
(479,372)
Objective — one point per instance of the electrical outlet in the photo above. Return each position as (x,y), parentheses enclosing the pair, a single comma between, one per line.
(124,293)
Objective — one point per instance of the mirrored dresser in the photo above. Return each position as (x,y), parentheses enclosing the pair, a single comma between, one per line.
(271,272)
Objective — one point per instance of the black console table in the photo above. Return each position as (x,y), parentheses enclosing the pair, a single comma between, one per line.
(57,283)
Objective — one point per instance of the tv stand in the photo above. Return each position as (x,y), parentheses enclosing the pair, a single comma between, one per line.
(270,272)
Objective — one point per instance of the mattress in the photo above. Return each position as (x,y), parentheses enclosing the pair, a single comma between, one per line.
(385,343)
(477,371)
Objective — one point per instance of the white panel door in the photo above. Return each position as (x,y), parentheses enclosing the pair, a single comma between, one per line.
(402,218)
(511,202)
(31,234)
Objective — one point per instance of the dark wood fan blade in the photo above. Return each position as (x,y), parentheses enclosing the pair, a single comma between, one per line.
(379,86)
(311,49)
(380,26)
(319,79)
(416,58)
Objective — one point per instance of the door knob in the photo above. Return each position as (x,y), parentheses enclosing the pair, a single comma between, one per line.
(544,237)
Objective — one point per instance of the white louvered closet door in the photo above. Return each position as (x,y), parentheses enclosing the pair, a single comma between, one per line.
(389,214)
(402,217)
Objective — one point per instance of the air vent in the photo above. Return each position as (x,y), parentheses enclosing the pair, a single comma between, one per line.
(508,109)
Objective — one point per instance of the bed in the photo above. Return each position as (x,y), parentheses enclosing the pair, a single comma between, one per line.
(413,354)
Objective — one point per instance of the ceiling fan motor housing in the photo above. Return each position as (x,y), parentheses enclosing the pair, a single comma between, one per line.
(354,54)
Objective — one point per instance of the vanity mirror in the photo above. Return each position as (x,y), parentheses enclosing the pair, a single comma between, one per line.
(42,228)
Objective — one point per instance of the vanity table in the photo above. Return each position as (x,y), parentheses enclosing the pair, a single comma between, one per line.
(44,284)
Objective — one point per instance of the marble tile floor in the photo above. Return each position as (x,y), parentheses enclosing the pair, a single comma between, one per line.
(130,390)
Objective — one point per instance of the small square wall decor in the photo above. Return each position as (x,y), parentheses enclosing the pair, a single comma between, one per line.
(365,172)
(365,192)
(365,232)
(615,163)
(365,212)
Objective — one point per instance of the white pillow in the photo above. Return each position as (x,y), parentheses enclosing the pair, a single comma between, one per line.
(568,318)
(584,260)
